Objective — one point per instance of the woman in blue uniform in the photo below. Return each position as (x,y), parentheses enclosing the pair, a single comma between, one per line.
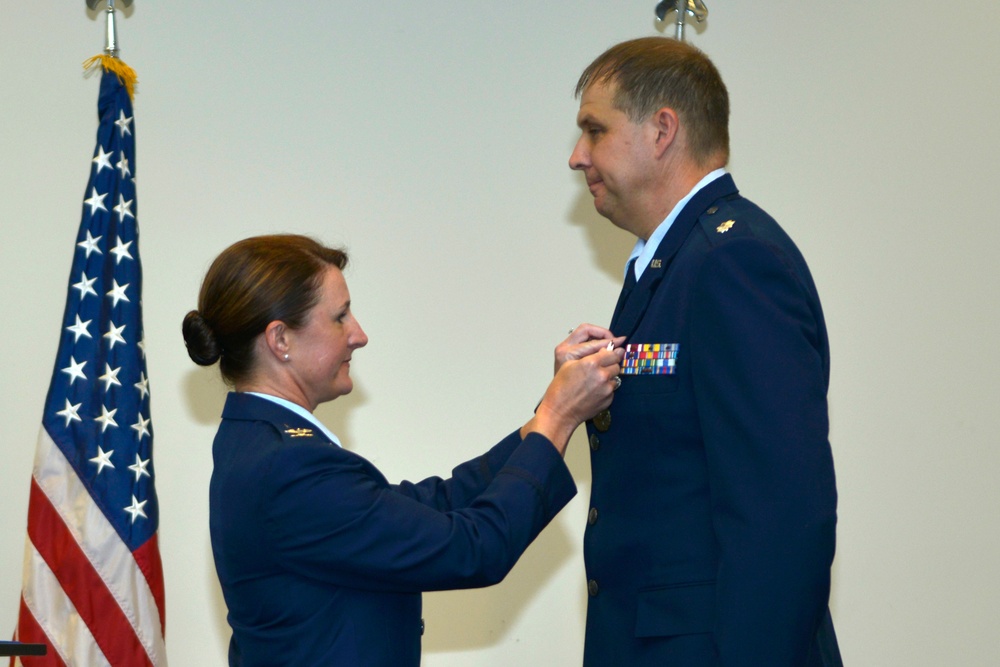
(322,561)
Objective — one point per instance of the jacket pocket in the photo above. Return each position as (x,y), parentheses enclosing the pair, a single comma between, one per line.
(682,609)
(643,385)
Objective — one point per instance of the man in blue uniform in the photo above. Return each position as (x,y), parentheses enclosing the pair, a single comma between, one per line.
(713,508)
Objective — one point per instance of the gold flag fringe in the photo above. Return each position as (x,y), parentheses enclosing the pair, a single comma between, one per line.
(124,73)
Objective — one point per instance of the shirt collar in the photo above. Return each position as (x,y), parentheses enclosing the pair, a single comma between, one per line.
(300,411)
(644,249)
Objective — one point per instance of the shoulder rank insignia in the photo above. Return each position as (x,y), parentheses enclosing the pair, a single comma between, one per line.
(656,264)
(299,432)
(725,227)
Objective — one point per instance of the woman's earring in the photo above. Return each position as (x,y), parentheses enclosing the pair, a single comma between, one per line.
(286,356)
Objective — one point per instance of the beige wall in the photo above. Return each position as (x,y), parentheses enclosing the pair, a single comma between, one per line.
(431,139)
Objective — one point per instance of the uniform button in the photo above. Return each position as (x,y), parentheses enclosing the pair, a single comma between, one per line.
(595,442)
(602,422)
(592,588)
(421,626)
(592,516)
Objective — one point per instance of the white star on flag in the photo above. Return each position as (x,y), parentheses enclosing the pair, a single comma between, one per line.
(101,160)
(90,244)
(103,460)
(79,329)
(120,251)
(141,427)
(135,509)
(110,377)
(96,201)
(123,209)
(114,335)
(107,418)
(139,467)
(123,123)
(70,412)
(75,370)
(143,386)
(86,285)
(122,165)
(117,293)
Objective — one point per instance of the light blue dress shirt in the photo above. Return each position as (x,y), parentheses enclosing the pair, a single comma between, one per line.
(644,250)
(302,412)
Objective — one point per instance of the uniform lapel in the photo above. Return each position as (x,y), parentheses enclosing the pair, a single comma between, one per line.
(633,301)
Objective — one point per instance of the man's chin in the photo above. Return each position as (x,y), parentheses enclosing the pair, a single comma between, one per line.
(601,206)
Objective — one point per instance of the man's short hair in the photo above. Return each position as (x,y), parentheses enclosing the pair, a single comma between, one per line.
(655,72)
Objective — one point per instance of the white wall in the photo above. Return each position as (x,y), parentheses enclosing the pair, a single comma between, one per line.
(431,139)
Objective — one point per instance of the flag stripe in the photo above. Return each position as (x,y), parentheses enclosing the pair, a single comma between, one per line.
(82,585)
(147,557)
(54,613)
(115,571)
(30,632)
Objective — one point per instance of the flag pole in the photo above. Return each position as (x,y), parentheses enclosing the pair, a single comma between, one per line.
(111,39)
(695,8)
(681,17)
(109,60)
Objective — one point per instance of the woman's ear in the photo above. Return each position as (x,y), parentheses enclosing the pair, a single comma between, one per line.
(276,339)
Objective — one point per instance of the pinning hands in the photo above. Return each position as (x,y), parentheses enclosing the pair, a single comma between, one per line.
(585,340)
(584,384)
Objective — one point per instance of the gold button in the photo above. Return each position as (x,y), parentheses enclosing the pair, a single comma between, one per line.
(602,422)
(592,516)
(595,442)
(592,588)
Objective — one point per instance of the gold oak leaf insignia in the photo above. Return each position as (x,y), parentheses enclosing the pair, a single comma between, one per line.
(725,227)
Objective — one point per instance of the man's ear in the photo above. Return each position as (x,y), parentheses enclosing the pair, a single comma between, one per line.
(667,125)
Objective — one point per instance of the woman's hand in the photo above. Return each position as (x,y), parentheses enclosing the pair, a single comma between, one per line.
(584,341)
(581,388)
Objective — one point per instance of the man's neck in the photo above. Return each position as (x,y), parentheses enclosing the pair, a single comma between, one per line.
(662,200)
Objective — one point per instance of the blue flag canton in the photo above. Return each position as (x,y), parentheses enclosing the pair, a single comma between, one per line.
(98,410)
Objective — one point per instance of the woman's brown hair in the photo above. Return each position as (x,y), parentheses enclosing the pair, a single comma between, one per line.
(249,285)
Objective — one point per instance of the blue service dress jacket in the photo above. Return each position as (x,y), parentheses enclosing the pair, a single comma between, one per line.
(713,507)
(322,561)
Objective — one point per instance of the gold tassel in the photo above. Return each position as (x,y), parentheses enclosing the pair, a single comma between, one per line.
(126,75)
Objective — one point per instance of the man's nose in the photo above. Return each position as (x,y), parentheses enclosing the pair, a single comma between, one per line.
(579,158)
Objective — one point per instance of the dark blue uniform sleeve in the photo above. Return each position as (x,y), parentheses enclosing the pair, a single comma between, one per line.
(467,480)
(334,518)
(760,368)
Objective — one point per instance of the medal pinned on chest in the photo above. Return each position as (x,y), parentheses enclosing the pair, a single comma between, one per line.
(650,358)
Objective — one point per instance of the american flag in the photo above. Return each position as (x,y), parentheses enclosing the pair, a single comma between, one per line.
(93,582)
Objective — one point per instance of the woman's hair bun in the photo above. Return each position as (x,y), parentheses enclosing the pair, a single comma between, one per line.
(202,346)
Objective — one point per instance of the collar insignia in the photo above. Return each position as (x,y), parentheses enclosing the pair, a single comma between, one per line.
(656,264)
(725,227)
